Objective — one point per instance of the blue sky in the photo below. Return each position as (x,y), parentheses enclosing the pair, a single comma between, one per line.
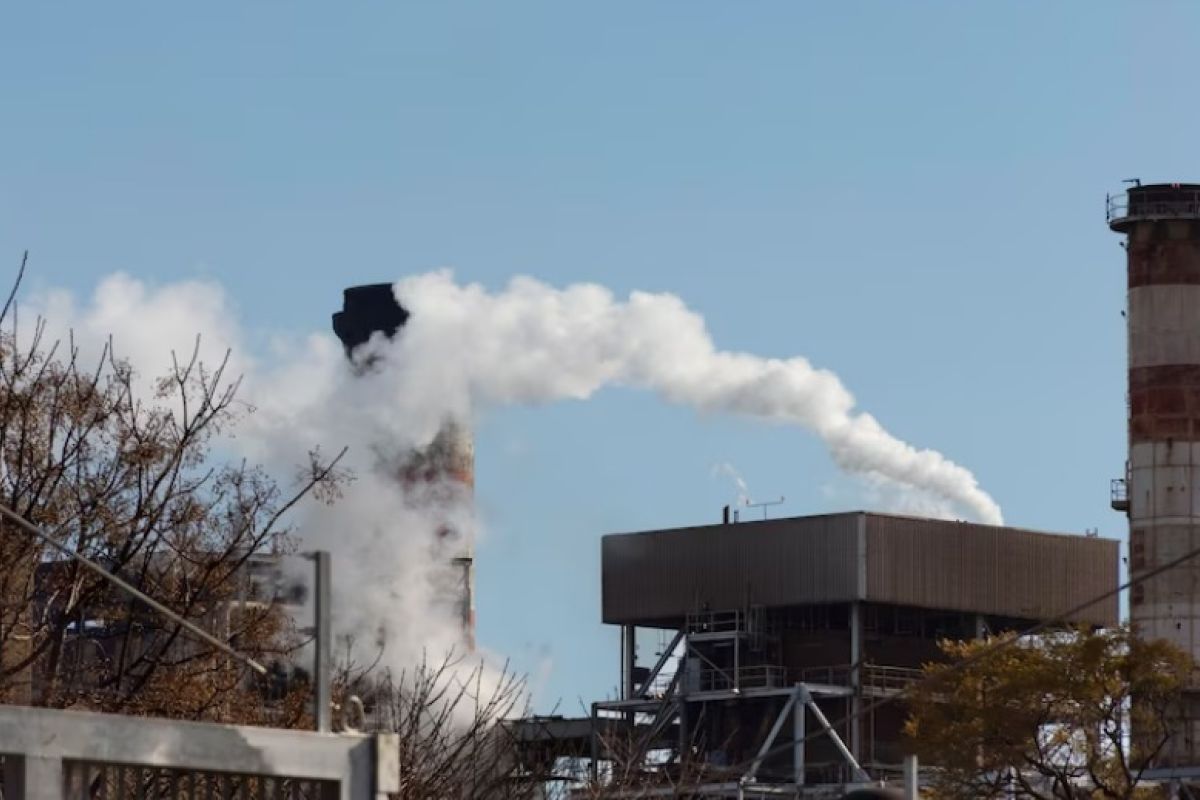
(909,194)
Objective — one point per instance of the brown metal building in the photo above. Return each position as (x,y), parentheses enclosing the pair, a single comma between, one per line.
(656,578)
(785,626)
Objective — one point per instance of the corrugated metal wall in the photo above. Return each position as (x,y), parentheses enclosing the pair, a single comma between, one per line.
(663,575)
(667,574)
(1001,571)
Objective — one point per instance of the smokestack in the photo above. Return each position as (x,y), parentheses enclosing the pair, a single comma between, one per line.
(446,466)
(366,310)
(1162,475)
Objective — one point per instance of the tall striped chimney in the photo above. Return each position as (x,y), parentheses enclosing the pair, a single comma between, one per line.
(1161,488)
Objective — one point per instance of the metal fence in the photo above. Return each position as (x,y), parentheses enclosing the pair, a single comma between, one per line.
(88,780)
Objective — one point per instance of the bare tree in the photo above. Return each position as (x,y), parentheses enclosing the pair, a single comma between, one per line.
(137,485)
(450,717)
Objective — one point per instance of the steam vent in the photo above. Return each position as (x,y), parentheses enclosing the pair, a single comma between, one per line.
(441,474)
(1161,488)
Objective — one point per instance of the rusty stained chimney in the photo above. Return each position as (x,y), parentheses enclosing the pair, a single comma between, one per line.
(447,465)
(1161,487)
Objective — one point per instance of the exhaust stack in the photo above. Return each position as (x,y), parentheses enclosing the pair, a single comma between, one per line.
(444,472)
(1160,491)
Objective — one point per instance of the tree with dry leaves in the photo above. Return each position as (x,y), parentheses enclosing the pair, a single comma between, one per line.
(136,484)
(1058,717)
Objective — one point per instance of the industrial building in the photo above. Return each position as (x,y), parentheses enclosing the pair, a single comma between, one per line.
(1160,490)
(780,635)
(107,636)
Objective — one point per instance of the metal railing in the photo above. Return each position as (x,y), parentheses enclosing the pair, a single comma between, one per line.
(874,676)
(736,621)
(664,680)
(1167,204)
(719,680)
(834,675)
(890,678)
(1115,206)
(714,622)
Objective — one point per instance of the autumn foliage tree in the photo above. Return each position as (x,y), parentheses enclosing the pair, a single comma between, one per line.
(1068,715)
(134,483)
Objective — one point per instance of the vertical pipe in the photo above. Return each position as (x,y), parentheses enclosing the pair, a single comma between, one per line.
(628,659)
(684,736)
(856,680)
(910,778)
(737,658)
(595,747)
(798,711)
(467,590)
(322,644)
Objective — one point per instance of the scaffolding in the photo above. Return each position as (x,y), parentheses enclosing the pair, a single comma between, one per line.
(680,720)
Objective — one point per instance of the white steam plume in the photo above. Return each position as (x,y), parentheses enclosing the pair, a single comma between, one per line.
(532,343)
(465,349)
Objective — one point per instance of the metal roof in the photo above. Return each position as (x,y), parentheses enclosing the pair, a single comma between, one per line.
(657,577)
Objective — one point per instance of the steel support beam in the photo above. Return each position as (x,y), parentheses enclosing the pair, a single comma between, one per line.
(798,740)
(911,775)
(628,659)
(856,680)
(859,772)
(770,740)
(662,660)
(595,745)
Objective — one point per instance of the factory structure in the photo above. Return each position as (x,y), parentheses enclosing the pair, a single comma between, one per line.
(1160,490)
(780,636)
